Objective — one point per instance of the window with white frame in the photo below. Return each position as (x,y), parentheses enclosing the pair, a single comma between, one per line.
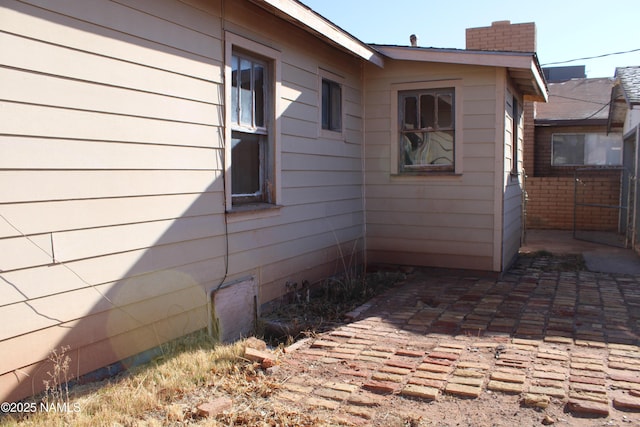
(578,149)
(515,136)
(331,105)
(427,130)
(250,148)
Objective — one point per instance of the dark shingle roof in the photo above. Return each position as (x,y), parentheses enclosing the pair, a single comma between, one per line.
(630,81)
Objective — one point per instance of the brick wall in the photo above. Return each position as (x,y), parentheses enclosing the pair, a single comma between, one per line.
(550,202)
(503,35)
(542,151)
(528,137)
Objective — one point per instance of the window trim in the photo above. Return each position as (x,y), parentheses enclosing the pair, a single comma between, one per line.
(339,80)
(235,43)
(516,136)
(458,127)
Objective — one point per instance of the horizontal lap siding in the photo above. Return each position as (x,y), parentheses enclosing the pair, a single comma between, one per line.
(112,144)
(438,220)
(512,208)
(321,178)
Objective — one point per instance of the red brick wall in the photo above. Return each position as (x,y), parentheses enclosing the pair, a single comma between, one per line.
(542,154)
(550,202)
(528,137)
(502,35)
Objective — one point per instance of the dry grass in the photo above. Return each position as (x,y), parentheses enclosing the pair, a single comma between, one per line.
(167,391)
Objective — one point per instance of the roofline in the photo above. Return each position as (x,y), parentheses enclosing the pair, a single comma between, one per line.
(312,22)
(492,58)
(527,61)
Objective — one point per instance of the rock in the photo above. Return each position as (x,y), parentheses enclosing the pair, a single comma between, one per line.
(272,370)
(536,400)
(214,407)
(547,420)
(258,344)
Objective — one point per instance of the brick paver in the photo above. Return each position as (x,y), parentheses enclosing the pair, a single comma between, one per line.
(570,336)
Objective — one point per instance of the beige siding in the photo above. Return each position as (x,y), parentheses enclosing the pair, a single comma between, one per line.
(512,205)
(113,225)
(445,221)
(321,179)
(113,220)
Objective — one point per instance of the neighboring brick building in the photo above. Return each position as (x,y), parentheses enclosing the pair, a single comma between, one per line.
(570,135)
(577,107)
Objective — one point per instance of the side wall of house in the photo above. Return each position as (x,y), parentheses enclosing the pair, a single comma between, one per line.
(437,220)
(112,224)
(320,222)
(512,177)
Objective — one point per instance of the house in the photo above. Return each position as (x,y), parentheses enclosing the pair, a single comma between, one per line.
(573,167)
(624,117)
(173,165)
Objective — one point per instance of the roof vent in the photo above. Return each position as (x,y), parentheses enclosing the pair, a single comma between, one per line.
(414,40)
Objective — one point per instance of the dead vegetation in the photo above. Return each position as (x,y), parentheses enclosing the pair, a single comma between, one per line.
(195,370)
(168,391)
(310,310)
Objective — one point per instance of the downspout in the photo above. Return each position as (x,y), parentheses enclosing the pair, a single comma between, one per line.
(363,167)
(213,290)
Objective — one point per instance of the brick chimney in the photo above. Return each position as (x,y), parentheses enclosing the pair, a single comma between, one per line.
(503,35)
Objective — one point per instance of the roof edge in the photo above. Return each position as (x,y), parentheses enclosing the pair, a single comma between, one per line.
(523,61)
(320,27)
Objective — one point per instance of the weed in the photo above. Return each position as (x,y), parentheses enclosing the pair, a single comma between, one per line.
(303,317)
(56,386)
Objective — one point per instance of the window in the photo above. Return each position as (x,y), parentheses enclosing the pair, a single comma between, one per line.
(515,134)
(427,130)
(250,153)
(331,105)
(575,149)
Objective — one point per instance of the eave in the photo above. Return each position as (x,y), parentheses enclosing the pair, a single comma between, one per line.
(305,18)
(523,67)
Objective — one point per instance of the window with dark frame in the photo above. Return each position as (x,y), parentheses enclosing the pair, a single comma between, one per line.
(331,105)
(427,130)
(249,136)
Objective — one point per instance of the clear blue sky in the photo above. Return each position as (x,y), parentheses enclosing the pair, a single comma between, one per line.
(566,29)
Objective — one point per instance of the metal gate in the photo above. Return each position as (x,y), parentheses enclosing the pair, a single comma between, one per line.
(601,213)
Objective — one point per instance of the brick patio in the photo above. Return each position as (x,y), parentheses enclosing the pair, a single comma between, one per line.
(538,332)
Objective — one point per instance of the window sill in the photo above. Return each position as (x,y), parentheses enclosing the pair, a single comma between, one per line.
(335,135)
(421,176)
(251,211)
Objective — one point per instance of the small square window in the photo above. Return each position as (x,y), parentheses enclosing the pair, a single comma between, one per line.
(427,130)
(331,105)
